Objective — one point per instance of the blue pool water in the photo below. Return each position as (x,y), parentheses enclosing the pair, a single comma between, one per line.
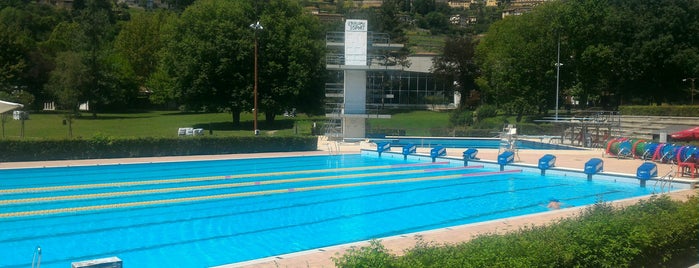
(206,213)
(478,143)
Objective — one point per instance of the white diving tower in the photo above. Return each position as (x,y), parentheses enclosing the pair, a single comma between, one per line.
(346,100)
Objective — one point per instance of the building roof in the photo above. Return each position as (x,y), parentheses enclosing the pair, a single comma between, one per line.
(420,63)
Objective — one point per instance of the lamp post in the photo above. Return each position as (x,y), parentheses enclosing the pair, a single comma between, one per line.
(558,73)
(255,27)
(691,90)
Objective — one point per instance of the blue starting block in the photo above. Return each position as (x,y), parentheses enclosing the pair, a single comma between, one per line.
(470,154)
(409,149)
(593,166)
(383,147)
(646,171)
(505,158)
(545,162)
(437,152)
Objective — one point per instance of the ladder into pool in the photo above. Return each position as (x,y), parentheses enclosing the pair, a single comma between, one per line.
(665,182)
(36,258)
(333,147)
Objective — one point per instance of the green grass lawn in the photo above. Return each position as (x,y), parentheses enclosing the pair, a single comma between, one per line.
(152,124)
(415,123)
(166,123)
(422,41)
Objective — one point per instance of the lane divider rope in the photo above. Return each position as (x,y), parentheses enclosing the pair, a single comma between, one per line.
(197,179)
(201,187)
(224,196)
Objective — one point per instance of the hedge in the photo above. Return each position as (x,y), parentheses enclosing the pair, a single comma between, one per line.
(104,147)
(668,110)
(657,232)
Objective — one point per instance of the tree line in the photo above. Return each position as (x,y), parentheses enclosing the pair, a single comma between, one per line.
(199,56)
(200,59)
(611,53)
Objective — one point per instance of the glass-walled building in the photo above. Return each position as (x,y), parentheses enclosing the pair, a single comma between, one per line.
(369,75)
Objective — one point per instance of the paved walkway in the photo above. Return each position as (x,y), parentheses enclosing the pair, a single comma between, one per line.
(322,257)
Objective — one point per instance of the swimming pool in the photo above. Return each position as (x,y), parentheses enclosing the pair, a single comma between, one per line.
(479,143)
(206,213)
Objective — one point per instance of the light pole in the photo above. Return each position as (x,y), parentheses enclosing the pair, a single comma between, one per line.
(691,90)
(255,27)
(558,73)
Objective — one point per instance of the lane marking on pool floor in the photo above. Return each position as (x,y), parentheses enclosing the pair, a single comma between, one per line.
(196,179)
(223,196)
(210,187)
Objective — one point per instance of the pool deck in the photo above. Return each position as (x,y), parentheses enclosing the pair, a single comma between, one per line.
(573,159)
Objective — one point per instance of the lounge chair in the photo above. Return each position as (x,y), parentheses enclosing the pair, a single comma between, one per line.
(686,165)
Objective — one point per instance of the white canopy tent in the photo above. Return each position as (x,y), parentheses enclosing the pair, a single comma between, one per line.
(8,106)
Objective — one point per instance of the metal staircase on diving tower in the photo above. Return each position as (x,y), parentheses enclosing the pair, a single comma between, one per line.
(332,128)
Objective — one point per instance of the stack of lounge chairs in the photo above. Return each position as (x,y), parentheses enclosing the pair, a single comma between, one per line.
(188,131)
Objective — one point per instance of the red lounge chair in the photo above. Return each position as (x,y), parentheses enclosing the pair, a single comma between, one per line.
(686,166)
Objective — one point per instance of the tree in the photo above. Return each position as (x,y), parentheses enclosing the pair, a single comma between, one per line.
(140,41)
(118,83)
(68,83)
(390,21)
(178,5)
(517,59)
(96,23)
(14,61)
(612,53)
(457,64)
(291,63)
(65,36)
(437,22)
(424,7)
(207,58)
(653,47)
(23,66)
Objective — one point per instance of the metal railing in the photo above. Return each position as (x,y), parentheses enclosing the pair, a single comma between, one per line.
(372,38)
(665,182)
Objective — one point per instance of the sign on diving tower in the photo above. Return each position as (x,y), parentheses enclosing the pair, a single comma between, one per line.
(355,42)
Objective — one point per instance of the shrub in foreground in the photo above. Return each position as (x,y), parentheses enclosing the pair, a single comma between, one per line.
(657,232)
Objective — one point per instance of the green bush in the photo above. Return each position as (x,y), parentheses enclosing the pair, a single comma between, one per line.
(373,256)
(486,111)
(668,110)
(107,147)
(460,117)
(657,232)
(495,123)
